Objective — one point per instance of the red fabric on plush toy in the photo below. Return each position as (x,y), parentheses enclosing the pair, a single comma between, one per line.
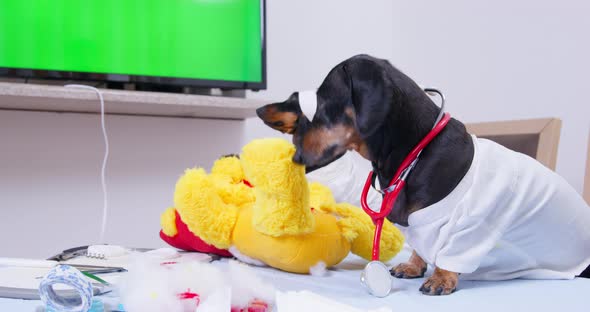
(188,241)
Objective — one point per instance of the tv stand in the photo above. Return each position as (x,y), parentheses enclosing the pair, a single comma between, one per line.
(57,98)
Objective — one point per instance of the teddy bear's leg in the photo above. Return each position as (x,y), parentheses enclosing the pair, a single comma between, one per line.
(357,226)
(168,222)
(176,234)
(202,210)
(169,232)
(354,220)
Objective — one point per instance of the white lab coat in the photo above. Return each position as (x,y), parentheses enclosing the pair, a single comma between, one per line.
(509,217)
(346,178)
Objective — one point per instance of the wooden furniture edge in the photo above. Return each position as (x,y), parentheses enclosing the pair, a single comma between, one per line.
(548,129)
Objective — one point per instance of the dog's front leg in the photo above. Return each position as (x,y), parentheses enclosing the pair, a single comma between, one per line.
(442,282)
(414,268)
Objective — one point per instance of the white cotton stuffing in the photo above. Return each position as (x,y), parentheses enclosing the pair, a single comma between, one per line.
(150,286)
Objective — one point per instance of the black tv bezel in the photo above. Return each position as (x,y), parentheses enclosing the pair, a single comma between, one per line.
(24,73)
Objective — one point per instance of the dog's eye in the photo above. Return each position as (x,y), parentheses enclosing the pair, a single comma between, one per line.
(278,123)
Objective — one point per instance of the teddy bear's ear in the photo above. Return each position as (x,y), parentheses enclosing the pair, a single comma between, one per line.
(282,116)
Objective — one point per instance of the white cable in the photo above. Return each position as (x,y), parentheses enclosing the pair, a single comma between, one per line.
(104,160)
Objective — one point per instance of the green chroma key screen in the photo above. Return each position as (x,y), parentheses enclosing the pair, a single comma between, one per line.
(198,39)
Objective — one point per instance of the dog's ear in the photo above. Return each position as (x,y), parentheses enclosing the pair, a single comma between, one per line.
(282,116)
(370,95)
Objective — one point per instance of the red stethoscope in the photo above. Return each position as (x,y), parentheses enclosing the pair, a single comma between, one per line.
(376,276)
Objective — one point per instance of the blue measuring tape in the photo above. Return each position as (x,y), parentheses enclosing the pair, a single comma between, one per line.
(70,276)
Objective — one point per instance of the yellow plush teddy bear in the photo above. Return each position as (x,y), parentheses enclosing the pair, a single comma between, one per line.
(261,209)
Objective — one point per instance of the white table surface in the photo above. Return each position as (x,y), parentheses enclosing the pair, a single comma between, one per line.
(343,284)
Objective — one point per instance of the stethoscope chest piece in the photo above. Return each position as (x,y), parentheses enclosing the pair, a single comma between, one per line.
(377,279)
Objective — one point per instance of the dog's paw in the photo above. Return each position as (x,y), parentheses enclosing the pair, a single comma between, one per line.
(408,270)
(440,283)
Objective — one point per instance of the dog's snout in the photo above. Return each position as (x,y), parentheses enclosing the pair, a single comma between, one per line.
(260,112)
(298,158)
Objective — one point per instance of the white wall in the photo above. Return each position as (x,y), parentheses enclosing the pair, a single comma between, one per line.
(504,59)
(50,196)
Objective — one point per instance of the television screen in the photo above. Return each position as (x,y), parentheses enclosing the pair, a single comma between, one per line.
(209,43)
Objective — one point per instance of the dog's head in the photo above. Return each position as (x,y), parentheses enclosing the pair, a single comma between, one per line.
(352,103)
(319,139)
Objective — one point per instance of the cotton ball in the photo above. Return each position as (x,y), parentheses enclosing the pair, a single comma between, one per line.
(247,286)
(319,269)
(147,287)
(197,277)
(150,286)
(218,301)
(163,253)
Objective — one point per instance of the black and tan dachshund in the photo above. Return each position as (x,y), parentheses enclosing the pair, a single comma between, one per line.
(367,105)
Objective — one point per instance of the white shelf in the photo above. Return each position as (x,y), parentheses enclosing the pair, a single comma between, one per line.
(34,97)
